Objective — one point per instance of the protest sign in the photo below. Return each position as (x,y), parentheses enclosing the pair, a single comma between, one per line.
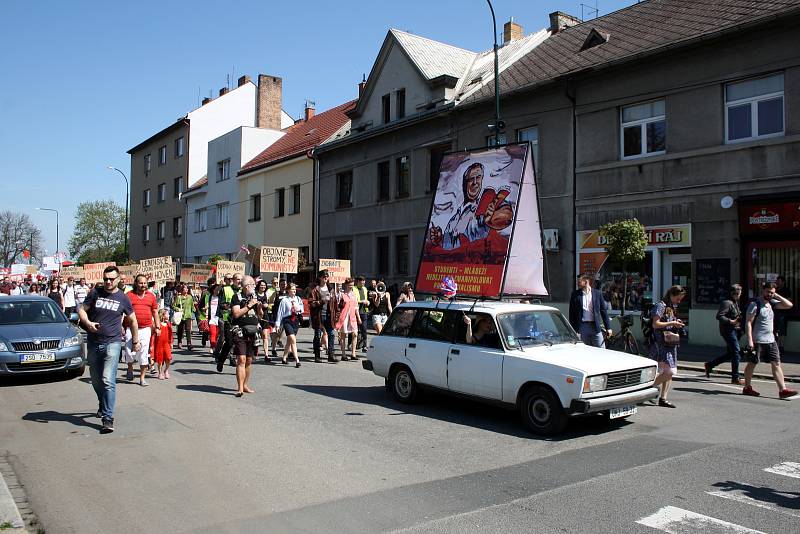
(32,269)
(129,271)
(196,274)
(229,268)
(75,271)
(338,270)
(278,260)
(93,272)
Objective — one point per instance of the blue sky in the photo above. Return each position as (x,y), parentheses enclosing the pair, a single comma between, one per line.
(81,82)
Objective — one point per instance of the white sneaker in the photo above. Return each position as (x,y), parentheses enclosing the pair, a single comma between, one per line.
(143,382)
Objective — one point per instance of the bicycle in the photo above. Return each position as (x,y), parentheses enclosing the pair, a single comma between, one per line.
(624,340)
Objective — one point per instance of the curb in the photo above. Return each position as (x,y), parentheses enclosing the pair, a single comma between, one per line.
(14,507)
(9,513)
(763,376)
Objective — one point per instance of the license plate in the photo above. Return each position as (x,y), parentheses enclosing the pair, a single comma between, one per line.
(622,411)
(38,357)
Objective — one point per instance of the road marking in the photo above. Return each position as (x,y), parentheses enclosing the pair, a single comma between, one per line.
(787,469)
(741,496)
(679,521)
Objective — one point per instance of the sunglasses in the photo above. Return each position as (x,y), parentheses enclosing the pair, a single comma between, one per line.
(106,279)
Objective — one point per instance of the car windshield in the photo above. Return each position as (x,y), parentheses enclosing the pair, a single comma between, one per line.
(31,312)
(524,328)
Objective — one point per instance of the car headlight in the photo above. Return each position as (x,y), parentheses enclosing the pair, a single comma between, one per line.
(4,347)
(72,341)
(595,383)
(648,374)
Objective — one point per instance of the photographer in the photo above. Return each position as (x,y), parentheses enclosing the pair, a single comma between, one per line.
(246,310)
(381,306)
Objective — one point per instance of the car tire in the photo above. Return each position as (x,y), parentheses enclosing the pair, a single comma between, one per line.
(75,373)
(403,385)
(542,412)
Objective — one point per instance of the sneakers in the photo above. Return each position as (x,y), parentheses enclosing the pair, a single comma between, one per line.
(664,403)
(786,393)
(129,375)
(108,426)
(143,382)
(153,370)
(750,392)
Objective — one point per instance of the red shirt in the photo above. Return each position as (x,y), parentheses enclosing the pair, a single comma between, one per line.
(143,307)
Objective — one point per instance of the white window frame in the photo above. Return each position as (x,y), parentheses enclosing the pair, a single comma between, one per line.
(201,219)
(753,101)
(179,147)
(146,233)
(162,155)
(534,144)
(642,124)
(162,192)
(295,209)
(280,197)
(223,170)
(147,163)
(161,230)
(179,228)
(147,198)
(222,215)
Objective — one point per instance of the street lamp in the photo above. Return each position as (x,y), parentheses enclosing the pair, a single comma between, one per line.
(127,187)
(55,210)
(498,124)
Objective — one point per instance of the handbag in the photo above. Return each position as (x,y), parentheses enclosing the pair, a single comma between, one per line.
(251,329)
(203,325)
(671,339)
(177,317)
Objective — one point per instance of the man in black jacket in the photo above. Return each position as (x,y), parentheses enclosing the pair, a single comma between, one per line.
(729,317)
(586,309)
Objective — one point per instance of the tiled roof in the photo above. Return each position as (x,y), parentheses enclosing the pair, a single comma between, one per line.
(643,27)
(434,58)
(198,184)
(302,137)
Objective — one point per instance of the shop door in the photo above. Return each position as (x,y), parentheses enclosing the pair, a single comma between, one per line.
(676,270)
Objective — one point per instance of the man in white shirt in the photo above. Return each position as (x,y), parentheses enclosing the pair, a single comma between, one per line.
(81,290)
(68,292)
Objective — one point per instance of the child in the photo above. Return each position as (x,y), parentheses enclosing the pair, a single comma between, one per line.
(164,345)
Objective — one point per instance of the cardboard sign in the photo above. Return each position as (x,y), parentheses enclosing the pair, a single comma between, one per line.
(129,271)
(198,274)
(75,271)
(18,269)
(338,270)
(93,272)
(32,269)
(159,269)
(278,260)
(229,268)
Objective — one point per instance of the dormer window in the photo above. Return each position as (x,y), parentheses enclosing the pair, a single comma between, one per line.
(400,104)
(386,108)
(595,38)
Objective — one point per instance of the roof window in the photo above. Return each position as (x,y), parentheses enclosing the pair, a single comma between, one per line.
(595,38)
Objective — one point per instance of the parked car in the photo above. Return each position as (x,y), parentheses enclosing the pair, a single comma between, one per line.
(520,355)
(36,337)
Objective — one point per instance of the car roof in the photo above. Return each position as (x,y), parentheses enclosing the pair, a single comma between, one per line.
(483,306)
(23,298)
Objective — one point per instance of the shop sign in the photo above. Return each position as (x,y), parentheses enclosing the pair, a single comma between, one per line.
(679,235)
(769,217)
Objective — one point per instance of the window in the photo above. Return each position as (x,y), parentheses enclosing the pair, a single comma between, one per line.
(490,340)
(639,283)
(399,323)
(436,325)
(384,184)
(280,202)
(401,253)
(179,147)
(162,192)
(222,215)
(162,155)
(754,108)
(295,200)
(402,177)
(383,255)
(302,256)
(147,163)
(490,140)
(146,198)
(161,230)
(223,170)
(200,220)
(344,250)
(146,233)
(177,226)
(177,186)
(531,135)
(386,109)
(436,156)
(344,189)
(643,130)
(400,104)
(255,207)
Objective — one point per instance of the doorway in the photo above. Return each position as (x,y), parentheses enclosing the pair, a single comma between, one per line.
(676,269)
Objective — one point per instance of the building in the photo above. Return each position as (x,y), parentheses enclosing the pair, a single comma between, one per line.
(165,164)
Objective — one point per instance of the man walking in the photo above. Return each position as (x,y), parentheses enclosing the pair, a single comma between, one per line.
(318,302)
(245,313)
(586,308)
(68,293)
(222,350)
(101,315)
(758,328)
(363,312)
(729,317)
(145,308)
(81,290)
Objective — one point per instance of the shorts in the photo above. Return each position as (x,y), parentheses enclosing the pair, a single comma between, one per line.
(379,319)
(245,346)
(764,352)
(664,367)
(143,355)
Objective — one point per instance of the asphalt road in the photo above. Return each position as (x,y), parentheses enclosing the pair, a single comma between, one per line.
(324,448)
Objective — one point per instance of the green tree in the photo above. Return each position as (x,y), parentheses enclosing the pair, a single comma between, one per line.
(99,232)
(625,243)
(18,234)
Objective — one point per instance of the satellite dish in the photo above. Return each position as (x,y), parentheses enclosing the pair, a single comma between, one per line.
(726,201)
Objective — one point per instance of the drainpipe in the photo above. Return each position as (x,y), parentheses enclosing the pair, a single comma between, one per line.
(315,216)
(571,98)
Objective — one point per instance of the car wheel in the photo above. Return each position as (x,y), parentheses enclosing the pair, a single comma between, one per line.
(75,373)
(542,411)
(403,386)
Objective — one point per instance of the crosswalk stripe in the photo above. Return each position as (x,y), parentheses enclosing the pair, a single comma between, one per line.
(678,521)
(742,497)
(787,469)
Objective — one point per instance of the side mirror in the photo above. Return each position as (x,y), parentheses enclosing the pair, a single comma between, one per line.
(73,318)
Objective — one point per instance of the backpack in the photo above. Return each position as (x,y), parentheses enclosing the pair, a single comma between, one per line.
(647,323)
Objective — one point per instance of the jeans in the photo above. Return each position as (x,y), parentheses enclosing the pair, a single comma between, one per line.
(590,336)
(362,331)
(103,361)
(185,327)
(326,324)
(733,354)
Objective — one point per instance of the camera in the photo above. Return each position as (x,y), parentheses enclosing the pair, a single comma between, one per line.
(237,331)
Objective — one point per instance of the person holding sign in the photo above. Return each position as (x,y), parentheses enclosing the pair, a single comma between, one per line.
(319,302)
(349,320)
(290,312)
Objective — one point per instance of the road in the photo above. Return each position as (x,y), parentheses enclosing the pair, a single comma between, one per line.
(324,448)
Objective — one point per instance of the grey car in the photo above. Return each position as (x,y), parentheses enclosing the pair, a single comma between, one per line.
(36,337)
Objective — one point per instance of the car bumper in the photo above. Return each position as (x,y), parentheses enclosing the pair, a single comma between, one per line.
(65,359)
(581,406)
(366,364)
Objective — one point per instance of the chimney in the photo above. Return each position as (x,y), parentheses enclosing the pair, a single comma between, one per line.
(206,100)
(243,80)
(270,89)
(309,109)
(560,21)
(362,84)
(223,91)
(512,31)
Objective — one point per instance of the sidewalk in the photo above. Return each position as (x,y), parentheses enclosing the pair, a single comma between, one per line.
(10,517)
(692,357)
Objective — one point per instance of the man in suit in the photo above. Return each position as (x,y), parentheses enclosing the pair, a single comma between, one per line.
(586,309)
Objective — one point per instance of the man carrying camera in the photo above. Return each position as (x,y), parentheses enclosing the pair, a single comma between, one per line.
(246,311)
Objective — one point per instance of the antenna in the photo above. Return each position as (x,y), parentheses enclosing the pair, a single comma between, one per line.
(589,11)
(228,81)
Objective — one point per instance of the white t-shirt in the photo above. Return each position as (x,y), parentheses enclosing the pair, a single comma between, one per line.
(69,295)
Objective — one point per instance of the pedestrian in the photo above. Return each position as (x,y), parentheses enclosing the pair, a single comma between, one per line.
(664,348)
(202,315)
(163,345)
(101,316)
(213,317)
(348,319)
(290,312)
(225,344)
(245,313)
(362,296)
(586,310)
(54,293)
(381,306)
(781,316)
(16,289)
(168,296)
(68,293)
(81,290)
(760,338)
(184,303)
(406,294)
(729,317)
(274,304)
(145,308)
(320,315)
(263,297)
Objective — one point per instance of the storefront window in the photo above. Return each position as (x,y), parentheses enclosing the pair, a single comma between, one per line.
(638,279)
(768,260)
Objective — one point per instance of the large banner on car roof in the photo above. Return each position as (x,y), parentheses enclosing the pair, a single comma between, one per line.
(484,229)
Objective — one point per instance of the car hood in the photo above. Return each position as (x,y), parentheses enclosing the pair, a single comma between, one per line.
(27,332)
(590,360)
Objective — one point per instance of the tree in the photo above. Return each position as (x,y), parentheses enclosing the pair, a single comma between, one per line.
(99,232)
(18,234)
(625,243)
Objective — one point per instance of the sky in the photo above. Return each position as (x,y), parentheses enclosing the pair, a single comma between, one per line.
(81,82)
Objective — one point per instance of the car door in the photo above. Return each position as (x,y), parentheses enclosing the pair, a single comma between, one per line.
(475,369)
(427,347)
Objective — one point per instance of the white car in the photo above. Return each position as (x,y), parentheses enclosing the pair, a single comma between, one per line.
(520,355)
